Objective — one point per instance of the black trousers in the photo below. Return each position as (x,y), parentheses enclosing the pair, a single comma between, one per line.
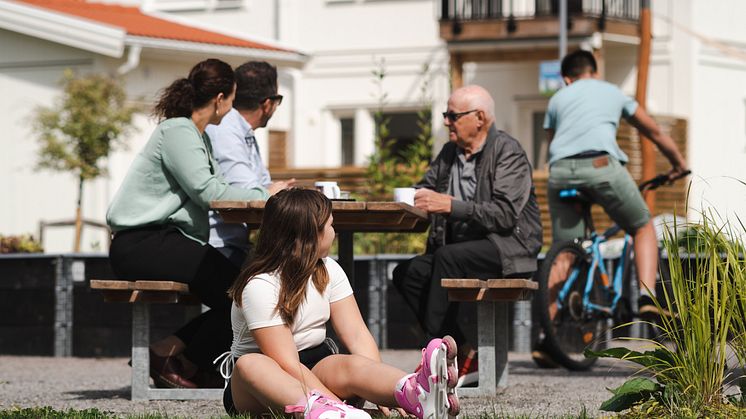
(418,281)
(164,253)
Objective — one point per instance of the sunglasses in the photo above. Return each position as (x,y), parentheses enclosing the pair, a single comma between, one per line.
(454,116)
(274,98)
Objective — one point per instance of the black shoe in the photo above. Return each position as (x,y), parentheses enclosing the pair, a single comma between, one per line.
(541,358)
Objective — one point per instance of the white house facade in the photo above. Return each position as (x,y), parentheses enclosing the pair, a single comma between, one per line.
(327,51)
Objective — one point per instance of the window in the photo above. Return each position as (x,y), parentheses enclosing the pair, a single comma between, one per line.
(541,146)
(348,141)
(529,129)
(403,129)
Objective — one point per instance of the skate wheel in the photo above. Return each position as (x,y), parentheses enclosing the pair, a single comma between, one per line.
(451,347)
(453,406)
(452,377)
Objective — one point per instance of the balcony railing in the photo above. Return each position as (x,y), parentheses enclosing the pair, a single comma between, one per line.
(465,10)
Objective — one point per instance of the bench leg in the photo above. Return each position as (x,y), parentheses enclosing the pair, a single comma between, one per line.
(140,353)
(501,346)
(141,365)
(492,331)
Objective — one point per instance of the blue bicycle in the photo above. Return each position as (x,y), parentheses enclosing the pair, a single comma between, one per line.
(578,300)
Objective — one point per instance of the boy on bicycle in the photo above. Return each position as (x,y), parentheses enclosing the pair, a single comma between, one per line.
(581,125)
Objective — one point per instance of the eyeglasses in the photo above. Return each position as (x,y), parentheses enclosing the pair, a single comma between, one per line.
(274,98)
(454,116)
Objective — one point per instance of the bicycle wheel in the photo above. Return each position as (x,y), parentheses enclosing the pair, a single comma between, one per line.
(569,330)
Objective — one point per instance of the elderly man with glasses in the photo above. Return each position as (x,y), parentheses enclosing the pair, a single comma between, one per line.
(237,151)
(484,217)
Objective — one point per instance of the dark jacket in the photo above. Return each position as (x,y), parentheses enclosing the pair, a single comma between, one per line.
(504,208)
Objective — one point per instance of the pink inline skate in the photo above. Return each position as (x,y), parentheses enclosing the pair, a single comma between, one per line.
(430,392)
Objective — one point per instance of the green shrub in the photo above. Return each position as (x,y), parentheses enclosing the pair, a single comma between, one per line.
(708,297)
(24,243)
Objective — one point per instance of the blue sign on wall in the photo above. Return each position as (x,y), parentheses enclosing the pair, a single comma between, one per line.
(550,77)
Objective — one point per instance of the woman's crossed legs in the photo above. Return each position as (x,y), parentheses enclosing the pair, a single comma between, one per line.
(259,384)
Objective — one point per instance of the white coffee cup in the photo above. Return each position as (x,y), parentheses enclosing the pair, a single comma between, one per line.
(405,195)
(329,189)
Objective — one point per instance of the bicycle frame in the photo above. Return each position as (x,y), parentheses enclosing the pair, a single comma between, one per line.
(613,288)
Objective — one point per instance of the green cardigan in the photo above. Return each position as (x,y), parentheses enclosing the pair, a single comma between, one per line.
(172,181)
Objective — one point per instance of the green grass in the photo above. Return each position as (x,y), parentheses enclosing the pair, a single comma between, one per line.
(50,413)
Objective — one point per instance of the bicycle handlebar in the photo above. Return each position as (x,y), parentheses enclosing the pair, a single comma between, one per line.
(660,180)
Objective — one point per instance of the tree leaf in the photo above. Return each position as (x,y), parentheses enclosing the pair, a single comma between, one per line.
(656,360)
(628,394)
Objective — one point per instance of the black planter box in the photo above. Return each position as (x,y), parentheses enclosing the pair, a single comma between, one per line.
(48,309)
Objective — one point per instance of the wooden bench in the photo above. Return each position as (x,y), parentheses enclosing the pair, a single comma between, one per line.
(141,294)
(491,296)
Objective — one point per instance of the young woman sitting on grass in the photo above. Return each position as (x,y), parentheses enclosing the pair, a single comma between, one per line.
(281,360)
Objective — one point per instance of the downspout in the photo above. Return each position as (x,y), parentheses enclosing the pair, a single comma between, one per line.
(133,60)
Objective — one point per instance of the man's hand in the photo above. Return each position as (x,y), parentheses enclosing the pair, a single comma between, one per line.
(275,187)
(432,202)
(678,171)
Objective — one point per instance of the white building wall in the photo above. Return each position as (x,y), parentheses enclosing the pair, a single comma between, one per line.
(30,72)
(718,123)
(256,18)
(347,40)
(510,84)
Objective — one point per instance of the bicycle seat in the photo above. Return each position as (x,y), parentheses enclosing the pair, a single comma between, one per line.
(574,195)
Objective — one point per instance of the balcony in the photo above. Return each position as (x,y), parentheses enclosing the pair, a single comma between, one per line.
(473,25)
(528,30)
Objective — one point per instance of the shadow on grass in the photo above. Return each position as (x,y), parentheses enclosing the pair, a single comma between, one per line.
(122,393)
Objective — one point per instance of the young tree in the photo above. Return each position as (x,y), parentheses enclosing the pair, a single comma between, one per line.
(78,132)
(387,169)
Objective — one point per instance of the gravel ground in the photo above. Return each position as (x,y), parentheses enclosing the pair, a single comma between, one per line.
(82,383)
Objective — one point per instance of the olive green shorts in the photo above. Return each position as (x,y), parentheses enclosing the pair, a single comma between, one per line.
(607,182)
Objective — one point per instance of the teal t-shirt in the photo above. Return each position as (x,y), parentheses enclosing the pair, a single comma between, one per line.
(585,116)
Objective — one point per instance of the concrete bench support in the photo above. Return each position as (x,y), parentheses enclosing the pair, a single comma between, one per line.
(491,296)
(141,294)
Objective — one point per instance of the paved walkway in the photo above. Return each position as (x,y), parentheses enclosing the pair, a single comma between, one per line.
(82,383)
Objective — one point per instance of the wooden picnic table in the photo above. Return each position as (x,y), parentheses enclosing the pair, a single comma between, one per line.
(349,217)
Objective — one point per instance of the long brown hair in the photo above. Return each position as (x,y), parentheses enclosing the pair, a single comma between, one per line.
(288,245)
(206,80)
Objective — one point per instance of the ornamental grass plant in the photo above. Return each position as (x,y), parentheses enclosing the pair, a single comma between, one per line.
(686,370)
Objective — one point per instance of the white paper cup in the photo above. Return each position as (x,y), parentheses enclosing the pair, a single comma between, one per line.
(329,189)
(405,195)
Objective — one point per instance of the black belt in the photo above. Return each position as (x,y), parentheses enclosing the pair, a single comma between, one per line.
(588,155)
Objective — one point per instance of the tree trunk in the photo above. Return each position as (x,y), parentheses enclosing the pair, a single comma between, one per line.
(78,217)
